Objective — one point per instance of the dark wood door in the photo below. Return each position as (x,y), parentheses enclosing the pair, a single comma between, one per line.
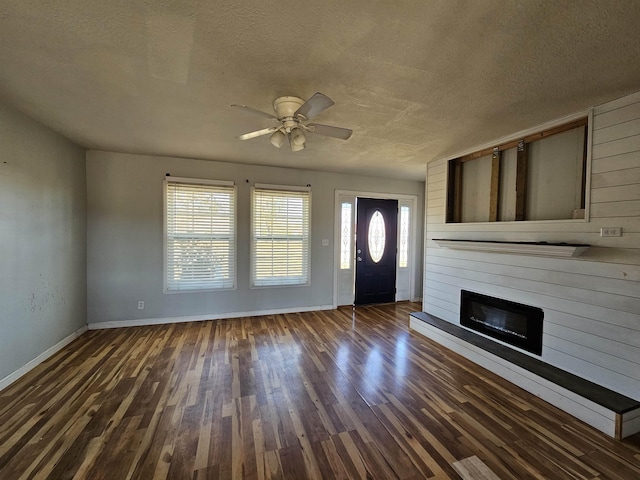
(376,248)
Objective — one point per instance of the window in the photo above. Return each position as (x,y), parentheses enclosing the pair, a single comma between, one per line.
(376,237)
(403,254)
(280,235)
(540,177)
(199,234)
(345,236)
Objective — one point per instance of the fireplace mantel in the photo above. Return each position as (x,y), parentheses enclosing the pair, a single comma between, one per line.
(546,249)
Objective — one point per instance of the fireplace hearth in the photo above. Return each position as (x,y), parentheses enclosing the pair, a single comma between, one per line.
(513,323)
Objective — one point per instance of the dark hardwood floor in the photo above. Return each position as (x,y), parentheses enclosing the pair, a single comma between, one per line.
(331,394)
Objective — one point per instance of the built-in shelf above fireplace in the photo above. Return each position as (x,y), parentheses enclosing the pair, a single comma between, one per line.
(546,249)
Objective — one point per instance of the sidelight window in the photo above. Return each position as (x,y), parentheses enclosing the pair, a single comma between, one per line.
(403,254)
(346,237)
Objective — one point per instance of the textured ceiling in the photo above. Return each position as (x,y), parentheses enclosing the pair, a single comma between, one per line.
(415,80)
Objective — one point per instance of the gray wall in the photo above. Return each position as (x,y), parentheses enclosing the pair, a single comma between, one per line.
(125,236)
(42,239)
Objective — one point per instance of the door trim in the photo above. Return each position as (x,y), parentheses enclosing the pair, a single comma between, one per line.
(336,234)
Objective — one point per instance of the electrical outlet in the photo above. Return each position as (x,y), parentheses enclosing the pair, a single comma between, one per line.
(611,232)
(140,305)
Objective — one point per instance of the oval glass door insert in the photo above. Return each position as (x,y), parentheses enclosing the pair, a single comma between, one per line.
(376,236)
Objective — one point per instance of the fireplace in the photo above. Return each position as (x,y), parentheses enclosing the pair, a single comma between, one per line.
(513,323)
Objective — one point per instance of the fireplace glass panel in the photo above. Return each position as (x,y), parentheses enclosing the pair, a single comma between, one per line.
(514,323)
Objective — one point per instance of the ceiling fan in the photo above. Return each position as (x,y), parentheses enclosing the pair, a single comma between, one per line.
(293,113)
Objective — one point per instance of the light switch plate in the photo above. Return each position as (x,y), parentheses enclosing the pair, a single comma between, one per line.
(325,242)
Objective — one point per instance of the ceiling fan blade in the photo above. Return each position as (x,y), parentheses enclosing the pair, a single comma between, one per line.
(258,133)
(258,112)
(317,104)
(329,131)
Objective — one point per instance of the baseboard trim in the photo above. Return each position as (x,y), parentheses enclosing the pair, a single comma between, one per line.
(12,377)
(199,318)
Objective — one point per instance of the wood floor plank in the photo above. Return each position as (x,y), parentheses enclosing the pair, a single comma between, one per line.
(472,468)
(347,393)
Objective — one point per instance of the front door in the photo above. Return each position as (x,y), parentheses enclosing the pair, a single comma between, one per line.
(376,244)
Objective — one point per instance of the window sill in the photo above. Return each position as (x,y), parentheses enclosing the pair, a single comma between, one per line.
(280,285)
(199,290)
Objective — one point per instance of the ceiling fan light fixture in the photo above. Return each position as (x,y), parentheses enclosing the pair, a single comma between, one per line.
(277,139)
(297,136)
(296,148)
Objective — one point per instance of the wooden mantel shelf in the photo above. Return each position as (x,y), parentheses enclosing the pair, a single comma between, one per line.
(521,248)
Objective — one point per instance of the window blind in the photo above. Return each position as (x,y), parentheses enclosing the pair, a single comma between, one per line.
(280,236)
(200,235)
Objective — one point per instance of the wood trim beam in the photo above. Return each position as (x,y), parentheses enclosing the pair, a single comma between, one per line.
(494,195)
(522,168)
(583,190)
(454,192)
(582,122)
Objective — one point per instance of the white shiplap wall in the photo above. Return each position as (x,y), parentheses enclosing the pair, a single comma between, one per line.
(591,303)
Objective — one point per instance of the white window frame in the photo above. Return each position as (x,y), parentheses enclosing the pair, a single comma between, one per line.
(306,237)
(231,284)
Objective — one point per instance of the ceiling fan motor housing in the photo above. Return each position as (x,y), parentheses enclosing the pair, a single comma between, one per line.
(287,106)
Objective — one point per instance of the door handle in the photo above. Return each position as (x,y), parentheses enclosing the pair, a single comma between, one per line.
(359,259)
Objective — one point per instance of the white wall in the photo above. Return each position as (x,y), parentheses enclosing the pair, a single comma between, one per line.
(591,303)
(549,195)
(475,198)
(42,240)
(125,235)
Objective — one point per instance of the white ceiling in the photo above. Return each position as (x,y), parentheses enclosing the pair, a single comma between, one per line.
(415,80)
